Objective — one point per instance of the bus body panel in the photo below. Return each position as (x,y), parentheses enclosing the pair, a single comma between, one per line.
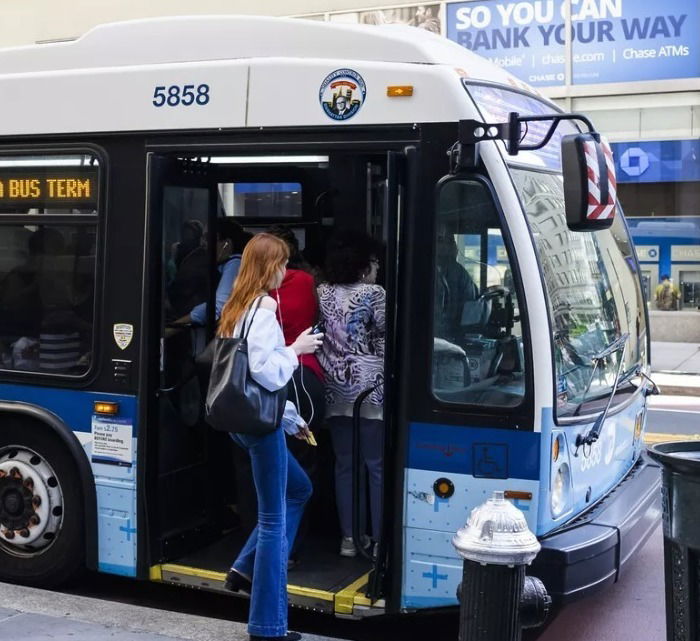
(302,104)
(113,464)
(232,93)
(595,470)
(476,461)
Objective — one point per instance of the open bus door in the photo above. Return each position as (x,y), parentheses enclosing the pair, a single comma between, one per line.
(374,186)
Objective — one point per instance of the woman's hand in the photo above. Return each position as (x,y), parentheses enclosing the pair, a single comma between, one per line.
(303,432)
(306,342)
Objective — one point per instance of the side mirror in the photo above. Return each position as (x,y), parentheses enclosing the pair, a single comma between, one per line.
(590,186)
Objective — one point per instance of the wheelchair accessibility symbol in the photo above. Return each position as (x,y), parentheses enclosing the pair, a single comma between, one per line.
(490,460)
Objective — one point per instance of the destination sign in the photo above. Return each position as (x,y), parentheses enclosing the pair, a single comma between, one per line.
(50,187)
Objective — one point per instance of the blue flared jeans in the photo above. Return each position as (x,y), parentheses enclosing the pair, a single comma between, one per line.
(283,488)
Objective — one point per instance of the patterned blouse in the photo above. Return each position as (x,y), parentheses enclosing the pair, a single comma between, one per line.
(353,349)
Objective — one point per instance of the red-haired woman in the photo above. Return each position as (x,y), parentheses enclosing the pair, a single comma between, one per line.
(282,486)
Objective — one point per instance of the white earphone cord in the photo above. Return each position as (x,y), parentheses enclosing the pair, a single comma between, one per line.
(301,373)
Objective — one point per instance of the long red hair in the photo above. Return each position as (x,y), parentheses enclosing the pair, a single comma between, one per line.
(262,258)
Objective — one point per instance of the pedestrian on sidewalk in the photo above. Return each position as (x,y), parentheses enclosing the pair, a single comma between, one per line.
(667,294)
(282,486)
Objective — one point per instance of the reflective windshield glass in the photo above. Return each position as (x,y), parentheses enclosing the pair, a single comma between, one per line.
(478,356)
(593,289)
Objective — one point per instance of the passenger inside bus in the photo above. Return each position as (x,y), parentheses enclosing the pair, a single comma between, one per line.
(353,313)
(231,240)
(188,270)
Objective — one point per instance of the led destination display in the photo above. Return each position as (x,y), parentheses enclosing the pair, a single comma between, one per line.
(43,188)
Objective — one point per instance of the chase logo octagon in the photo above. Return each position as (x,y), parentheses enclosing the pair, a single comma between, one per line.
(342,93)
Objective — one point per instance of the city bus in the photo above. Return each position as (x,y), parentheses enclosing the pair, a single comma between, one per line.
(517,345)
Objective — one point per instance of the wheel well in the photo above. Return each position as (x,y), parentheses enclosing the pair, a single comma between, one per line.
(38,418)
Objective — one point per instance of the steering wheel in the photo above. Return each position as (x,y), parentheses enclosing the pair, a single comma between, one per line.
(500,317)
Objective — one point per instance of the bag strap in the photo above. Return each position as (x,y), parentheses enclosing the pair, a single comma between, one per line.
(253,308)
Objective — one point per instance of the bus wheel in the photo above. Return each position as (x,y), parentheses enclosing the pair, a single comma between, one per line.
(41,514)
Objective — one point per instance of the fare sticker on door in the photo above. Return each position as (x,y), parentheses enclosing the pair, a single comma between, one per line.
(112,441)
(123,333)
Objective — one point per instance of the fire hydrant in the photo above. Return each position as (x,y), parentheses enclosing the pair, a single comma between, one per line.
(496,599)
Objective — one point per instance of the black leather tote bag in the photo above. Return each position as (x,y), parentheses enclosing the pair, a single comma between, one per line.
(235,402)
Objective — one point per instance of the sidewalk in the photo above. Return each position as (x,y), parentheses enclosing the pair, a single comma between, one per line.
(39,615)
(675,357)
(676,368)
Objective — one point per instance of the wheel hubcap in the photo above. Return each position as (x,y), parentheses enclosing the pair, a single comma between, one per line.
(31,502)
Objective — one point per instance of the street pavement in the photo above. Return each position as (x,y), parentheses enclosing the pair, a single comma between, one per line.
(633,609)
(40,615)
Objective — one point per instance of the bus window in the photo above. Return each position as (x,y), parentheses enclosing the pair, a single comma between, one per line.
(593,289)
(47,269)
(478,342)
(261,200)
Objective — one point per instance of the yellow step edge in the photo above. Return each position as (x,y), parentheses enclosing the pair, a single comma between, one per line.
(345,599)
(210,575)
(657,437)
(156,574)
(322,595)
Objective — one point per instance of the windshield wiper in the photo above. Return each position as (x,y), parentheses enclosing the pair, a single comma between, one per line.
(616,345)
(594,433)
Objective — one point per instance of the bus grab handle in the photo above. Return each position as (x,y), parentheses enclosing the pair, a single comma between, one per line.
(356,468)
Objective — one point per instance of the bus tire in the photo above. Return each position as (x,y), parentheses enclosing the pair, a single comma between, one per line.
(42,530)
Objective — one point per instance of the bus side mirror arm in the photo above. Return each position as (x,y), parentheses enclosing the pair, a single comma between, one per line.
(472,132)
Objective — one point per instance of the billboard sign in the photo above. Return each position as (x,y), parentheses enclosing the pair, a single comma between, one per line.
(612,40)
(658,161)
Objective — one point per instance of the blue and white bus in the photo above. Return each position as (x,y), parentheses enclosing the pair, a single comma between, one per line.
(517,348)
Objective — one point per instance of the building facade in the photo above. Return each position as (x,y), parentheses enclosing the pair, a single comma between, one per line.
(632,65)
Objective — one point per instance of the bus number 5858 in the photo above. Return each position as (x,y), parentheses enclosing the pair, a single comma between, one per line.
(175,95)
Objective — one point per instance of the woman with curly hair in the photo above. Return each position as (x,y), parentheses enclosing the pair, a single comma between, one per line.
(352,308)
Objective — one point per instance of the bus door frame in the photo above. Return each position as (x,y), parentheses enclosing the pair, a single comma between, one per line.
(163,169)
(400,144)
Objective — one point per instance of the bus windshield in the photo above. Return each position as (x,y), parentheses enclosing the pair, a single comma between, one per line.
(594,292)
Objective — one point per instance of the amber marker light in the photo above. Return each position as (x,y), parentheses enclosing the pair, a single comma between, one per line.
(638,426)
(106,407)
(513,494)
(399,91)
(444,488)
(555,449)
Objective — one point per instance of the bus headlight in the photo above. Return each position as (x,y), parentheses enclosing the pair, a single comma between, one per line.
(561,484)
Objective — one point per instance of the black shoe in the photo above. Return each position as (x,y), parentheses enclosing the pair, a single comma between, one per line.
(236,582)
(290,636)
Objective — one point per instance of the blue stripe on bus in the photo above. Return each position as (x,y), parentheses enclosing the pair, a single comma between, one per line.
(120,570)
(480,452)
(73,407)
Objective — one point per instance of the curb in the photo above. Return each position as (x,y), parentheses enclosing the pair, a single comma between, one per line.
(679,390)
